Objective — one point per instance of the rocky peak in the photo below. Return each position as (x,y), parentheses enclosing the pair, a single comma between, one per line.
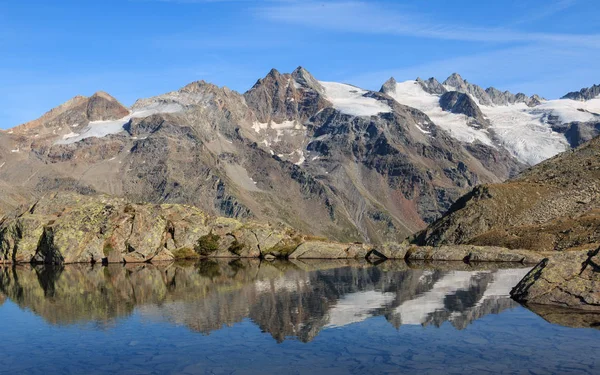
(306,80)
(389,86)
(457,102)
(456,81)
(101,106)
(432,86)
(76,112)
(506,98)
(584,94)
(286,97)
(274,73)
(199,86)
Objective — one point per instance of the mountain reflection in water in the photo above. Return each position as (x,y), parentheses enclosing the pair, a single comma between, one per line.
(285,299)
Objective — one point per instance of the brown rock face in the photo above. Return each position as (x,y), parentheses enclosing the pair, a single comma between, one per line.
(70,116)
(570,279)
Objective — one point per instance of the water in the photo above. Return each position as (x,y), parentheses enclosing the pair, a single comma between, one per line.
(222,317)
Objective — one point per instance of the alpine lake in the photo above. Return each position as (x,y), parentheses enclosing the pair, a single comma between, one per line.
(239,316)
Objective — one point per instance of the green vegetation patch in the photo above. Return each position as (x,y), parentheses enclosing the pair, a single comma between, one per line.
(207,244)
(185,253)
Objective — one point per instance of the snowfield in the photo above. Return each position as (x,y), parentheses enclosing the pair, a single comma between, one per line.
(411,94)
(349,100)
(524,131)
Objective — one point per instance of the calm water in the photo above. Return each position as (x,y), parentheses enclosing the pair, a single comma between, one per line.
(242,317)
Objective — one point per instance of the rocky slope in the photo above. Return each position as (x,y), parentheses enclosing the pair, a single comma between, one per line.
(552,206)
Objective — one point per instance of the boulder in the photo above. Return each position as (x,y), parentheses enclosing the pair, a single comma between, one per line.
(326,250)
(470,253)
(570,279)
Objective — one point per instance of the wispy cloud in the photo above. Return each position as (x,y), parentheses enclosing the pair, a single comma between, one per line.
(552,8)
(372,18)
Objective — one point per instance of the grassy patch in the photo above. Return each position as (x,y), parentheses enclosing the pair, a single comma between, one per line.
(207,244)
(185,253)
(284,247)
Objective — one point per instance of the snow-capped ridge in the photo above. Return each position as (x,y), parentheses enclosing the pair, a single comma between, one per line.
(586,93)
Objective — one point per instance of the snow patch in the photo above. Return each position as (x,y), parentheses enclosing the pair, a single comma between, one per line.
(522,131)
(351,100)
(97,129)
(301,158)
(569,110)
(70,135)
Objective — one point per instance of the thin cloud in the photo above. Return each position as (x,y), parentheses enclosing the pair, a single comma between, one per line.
(371,18)
(551,9)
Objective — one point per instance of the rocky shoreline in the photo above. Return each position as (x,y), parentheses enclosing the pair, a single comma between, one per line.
(68,228)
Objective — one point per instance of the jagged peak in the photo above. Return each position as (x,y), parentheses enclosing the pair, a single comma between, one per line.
(392,81)
(454,79)
(389,85)
(273,73)
(585,93)
(304,78)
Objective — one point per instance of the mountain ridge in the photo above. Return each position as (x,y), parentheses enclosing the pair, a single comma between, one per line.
(326,158)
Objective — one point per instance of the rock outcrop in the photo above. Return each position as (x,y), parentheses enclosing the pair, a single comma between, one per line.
(457,102)
(72,228)
(554,206)
(569,279)
(584,94)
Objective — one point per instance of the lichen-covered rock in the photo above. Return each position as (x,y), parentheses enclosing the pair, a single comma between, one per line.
(469,253)
(569,279)
(393,250)
(323,250)
(19,238)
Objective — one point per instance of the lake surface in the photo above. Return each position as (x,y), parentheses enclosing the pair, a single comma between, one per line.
(322,317)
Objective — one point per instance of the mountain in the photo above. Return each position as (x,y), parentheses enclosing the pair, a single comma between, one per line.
(326,158)
(554,206)
(587,93)
(530,129)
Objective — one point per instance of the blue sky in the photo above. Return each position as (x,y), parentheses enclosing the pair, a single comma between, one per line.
(53,50)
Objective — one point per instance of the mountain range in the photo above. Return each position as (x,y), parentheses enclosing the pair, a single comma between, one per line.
(326,158)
